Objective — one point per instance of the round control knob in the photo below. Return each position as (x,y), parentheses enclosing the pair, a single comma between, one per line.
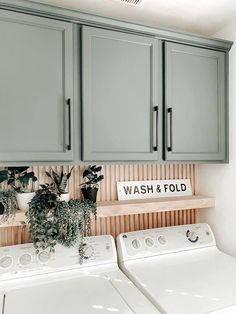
(162,240)
(44,257)
(89,251)
(6,261)
(192,236)
(25,259)
(149,242)
(136,244)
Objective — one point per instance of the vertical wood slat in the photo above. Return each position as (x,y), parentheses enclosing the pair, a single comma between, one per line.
(108,191)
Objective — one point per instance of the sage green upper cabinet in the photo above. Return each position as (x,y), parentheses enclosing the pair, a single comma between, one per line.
(121,76)
(195,104)
(36,89)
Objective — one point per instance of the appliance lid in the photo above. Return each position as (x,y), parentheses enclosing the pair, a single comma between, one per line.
(87,295)
(227,310)
(1,300)
(195,281)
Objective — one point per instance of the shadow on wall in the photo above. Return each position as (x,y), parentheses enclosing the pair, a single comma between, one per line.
(220,180)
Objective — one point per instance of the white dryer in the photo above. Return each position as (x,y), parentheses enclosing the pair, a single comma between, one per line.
(58,284)
(180,269)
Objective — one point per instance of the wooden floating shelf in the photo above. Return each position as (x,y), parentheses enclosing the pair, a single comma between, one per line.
(131,207)
(120,208)
(19,219)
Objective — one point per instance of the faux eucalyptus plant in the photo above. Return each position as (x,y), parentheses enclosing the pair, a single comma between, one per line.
(53,221)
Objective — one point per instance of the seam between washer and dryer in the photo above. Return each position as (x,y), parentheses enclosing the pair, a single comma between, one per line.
(110,280)
(3,303)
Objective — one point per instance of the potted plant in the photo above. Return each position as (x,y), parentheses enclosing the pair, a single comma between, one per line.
(53,221)
(40,217)
(74,222)
(90,186)
(60,183)
(19,179)
(8,205)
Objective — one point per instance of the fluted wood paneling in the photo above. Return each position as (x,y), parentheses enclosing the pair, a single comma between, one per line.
(108,191)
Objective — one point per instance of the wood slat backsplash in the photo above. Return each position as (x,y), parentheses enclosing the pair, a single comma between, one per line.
(107,191)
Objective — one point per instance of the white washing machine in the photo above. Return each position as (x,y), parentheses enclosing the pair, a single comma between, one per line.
(58,284)
(180,269)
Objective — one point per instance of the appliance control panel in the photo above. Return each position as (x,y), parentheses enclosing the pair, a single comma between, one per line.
(22,260)
(152,242)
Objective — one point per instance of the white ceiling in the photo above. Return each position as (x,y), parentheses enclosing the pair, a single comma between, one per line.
(200,16)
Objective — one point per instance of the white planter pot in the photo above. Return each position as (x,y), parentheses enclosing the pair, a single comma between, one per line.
(65,197)
(23,199)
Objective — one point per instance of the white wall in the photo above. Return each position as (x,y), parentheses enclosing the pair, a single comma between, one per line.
(220,180)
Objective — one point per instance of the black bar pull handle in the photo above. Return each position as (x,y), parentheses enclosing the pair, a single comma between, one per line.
(68,102)
(155,128)
(169,144)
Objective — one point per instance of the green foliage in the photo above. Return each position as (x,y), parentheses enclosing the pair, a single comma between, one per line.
(52,221)
(91,176)
(18,178)
(8,201)
(59,180)
(40,216)
(3,175)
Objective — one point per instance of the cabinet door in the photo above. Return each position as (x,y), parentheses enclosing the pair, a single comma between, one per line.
(195,104)
(36,83)
(120,96)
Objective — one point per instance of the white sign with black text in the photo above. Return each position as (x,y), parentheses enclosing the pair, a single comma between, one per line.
(130,190)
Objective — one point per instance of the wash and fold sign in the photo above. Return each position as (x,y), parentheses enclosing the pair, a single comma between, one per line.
(130,190)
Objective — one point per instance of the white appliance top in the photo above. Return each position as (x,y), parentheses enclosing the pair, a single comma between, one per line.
(180,269)
(58,284)
(227,310)
(86,295)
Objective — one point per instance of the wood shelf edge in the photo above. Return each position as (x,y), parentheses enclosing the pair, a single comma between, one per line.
(119,208)
(131,207)
(17,221)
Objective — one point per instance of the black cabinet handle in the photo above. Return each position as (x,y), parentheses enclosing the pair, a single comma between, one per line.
(68,102)
(155,147)
(169,144)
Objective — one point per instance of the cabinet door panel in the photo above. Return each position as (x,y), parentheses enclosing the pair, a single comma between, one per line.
(35,74)
(120,73)
(195,96)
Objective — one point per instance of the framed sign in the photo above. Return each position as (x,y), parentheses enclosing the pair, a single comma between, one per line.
(130,190)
